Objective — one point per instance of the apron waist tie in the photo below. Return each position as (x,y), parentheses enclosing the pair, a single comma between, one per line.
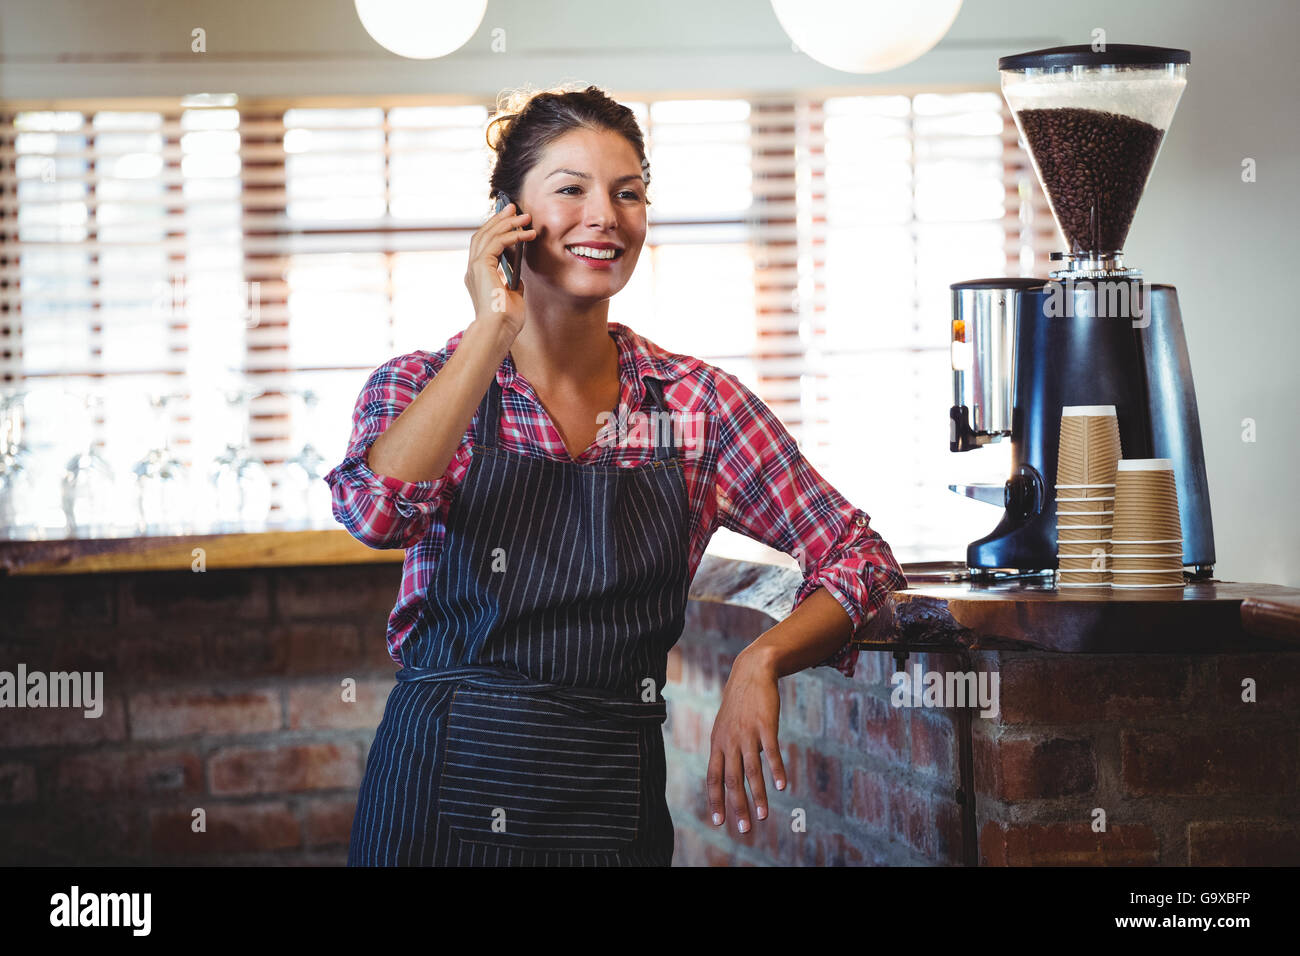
(590,699)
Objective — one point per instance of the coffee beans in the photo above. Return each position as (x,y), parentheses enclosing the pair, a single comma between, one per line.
(1094,166)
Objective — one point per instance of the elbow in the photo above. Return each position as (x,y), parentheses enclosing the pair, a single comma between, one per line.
(375,523)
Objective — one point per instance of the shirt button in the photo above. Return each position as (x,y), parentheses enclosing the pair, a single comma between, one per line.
(860,521)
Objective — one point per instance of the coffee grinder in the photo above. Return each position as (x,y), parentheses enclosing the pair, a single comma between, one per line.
(1094,333)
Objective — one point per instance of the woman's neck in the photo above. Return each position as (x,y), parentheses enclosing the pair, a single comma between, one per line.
(573,353)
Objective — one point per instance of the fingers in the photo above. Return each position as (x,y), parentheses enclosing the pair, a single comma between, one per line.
(734,782)
(772,749)
(754,774)
(713,783)
(501,230)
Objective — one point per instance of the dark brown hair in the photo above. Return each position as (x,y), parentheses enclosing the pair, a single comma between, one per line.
(527,121)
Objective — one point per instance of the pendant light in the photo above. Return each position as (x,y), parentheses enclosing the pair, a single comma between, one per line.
(865,36)
(421,29)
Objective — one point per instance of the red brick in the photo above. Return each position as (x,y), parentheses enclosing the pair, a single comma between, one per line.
(320,705)
(1069,688)
(823,780)
(17,783)
(1034,768)
(130,773)
(1067,844)
(159,715)
(910,817)
(885,729)
(688,849)
(167,598)
(231,828)
(845,719)
(374,653)
(932,743)
(1224,760)
(152,656)
(44,834)
(1277,683)
(356,591)
(686,729)
(56,726)
(1243,843)
(867,802)
(809,704)
(714,856)
(55,602)
(703,668)
(329,821)
(675,665)
(247,770)
(948,836)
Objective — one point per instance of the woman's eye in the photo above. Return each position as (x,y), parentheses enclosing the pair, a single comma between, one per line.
(630,193)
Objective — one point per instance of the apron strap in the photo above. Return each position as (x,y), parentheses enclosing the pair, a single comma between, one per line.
(588,699)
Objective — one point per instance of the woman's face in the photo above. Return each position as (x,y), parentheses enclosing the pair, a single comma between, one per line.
(586,190)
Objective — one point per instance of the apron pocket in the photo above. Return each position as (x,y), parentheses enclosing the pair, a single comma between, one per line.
(531,773)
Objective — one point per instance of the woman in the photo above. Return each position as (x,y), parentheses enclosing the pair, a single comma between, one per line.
(548,562)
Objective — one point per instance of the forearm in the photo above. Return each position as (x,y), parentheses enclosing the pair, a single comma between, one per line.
(419,444)
(812,632)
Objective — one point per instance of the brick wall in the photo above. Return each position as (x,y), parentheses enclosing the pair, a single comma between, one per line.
(1184,771)
(224,692)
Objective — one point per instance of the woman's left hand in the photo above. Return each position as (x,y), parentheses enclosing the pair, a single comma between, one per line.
(746,724)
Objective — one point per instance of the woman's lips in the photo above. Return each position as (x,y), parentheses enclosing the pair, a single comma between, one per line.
(594,263)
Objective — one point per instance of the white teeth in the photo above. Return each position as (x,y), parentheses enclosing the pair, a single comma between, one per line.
(591,253)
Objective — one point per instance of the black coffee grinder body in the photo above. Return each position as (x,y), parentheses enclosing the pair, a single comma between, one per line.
(1087,342)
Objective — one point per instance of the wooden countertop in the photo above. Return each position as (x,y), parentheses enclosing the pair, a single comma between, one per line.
(939,609)
(263,549)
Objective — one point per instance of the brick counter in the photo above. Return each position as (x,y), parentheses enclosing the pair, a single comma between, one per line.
(224,692)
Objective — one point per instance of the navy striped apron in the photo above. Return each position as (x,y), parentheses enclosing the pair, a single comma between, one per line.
(525,727)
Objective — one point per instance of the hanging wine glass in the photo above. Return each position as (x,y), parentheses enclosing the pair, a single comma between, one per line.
(241,483)
(15,458)
(88,490)
(163,485)
(307,497)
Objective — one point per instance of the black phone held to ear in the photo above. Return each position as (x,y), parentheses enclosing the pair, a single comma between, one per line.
(512,257)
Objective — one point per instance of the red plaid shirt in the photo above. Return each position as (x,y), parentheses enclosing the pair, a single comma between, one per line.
(747,475)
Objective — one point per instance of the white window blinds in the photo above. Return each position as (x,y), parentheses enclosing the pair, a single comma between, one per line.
(804,244)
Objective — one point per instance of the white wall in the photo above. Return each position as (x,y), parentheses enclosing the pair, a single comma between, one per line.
(1229,247)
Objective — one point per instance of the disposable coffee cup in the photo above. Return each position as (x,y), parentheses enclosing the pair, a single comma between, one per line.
(1147,562)
(1086,518)
(1068,562)
(1130,546)
(1130,528)
(1092,533)
(1086,491)
(1089,446)
(1083,505)
(1148,577)
(1068,578)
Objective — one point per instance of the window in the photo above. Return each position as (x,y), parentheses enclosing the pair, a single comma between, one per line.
(221,245)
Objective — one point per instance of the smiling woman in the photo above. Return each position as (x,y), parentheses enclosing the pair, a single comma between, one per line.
(548,567)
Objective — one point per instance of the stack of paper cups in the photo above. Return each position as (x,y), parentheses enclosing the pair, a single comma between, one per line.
(1148,536)
(1085,494)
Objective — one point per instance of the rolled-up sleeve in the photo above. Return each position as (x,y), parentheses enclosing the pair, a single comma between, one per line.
(379,510)
(768,491)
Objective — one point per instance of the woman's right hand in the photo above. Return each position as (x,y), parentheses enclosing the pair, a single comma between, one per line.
(483,277)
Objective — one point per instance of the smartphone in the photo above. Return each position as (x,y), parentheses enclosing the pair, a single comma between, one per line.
(512,257)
